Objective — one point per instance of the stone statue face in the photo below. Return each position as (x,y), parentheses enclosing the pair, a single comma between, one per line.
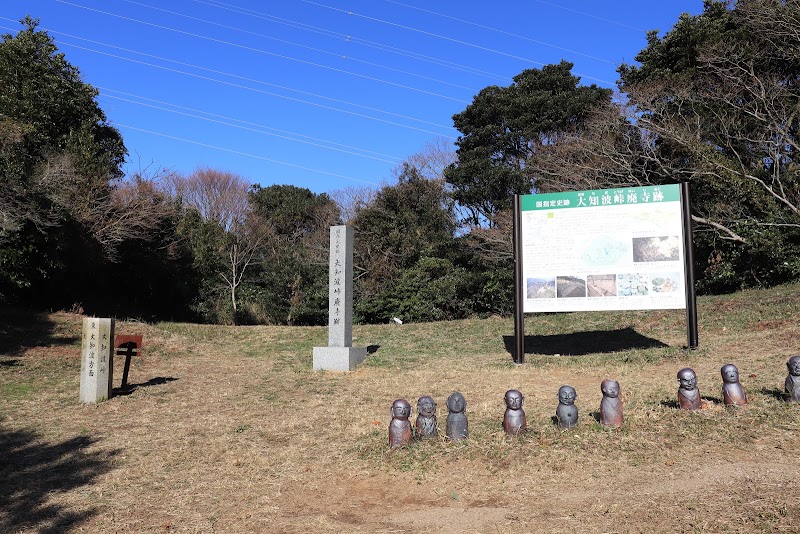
(567,395)
(426,406)
(730,374)
(794,365)
(401,409)
(514,399)
(687,379)
(456,402)
(610,388)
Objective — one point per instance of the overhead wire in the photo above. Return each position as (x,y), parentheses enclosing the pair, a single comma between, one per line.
(269,93)
(351,39)
(190,112)
(300,45)
(252,89)
(565,8)
(245,78)
(266,52)
(483,26)
(444,37)
(238,152)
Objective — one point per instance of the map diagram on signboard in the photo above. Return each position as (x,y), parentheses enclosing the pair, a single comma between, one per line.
(603,251)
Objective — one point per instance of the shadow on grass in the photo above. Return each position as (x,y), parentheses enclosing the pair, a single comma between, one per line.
(31,471)
(582,343)
(130,388)
(778,394)
(20,329)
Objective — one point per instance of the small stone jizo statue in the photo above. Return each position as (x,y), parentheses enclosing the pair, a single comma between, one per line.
(733,393)
(567,412)
(792,383)
(426,426)
(611,405)
(514,421)
(400,427)
(457,427)
(688,393)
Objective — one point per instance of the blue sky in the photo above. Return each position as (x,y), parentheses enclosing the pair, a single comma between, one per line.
(323,94)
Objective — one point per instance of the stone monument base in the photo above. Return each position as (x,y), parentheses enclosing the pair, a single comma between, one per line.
(338,358)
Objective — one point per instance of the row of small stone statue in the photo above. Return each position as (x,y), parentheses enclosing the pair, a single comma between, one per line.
(515,422)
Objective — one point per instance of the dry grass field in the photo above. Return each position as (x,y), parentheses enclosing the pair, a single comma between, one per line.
(229,430)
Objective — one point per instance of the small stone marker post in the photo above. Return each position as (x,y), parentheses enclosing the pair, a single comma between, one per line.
(339,355)
(97,362)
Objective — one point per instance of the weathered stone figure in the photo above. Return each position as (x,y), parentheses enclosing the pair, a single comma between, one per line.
(427,426)
(567,412)
(792,383)
(400,427)
(457,427)
(611,405)
(733,393)
(514,421)
(688,393)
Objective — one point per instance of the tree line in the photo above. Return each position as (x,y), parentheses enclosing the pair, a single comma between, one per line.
(713,102)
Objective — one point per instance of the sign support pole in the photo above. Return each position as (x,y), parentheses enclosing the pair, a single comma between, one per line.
(688,247)
(519,315)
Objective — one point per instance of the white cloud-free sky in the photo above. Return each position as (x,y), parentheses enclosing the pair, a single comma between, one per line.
(323,94)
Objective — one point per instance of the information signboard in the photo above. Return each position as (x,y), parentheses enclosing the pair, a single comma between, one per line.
(610,249)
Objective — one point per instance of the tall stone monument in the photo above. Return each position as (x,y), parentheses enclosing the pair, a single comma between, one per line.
(97,361)
(339,355)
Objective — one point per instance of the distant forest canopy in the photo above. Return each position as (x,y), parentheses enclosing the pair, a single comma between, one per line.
(714,102)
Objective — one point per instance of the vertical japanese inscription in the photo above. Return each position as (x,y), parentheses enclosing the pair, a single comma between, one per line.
(340,283)
(96,359)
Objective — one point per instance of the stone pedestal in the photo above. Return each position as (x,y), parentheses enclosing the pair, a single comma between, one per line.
(338,358)
(97,361)
(339,355)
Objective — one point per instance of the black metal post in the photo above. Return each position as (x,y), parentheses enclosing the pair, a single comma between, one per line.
(688,248)
(519,314)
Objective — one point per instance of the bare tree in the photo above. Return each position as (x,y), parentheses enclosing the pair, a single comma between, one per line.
(217,195)
(432,160)
(352,199)
(221,197)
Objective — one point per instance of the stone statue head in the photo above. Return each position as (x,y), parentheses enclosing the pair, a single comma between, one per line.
(514,399)
(456,402)
(687,379)
(610,388)
(730,374)
(426,406)
(401,409)
(793,364)
(567,395)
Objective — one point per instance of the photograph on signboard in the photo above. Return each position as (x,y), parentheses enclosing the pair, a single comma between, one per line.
(660,248)
(541,288)
(665,282)
(632,285)
(601,285)
(570,287)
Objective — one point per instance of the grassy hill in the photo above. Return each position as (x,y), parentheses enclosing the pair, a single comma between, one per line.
(229,430)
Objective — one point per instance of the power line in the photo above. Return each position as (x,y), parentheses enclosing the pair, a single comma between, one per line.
(500,31)
(350,39)
(264,158)
(590,15)
(444,37)
(321,143)
(245,78)
(319,50)
(251,89)
(260,51)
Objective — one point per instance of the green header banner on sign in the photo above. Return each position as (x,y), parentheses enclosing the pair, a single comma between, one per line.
(594,198)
